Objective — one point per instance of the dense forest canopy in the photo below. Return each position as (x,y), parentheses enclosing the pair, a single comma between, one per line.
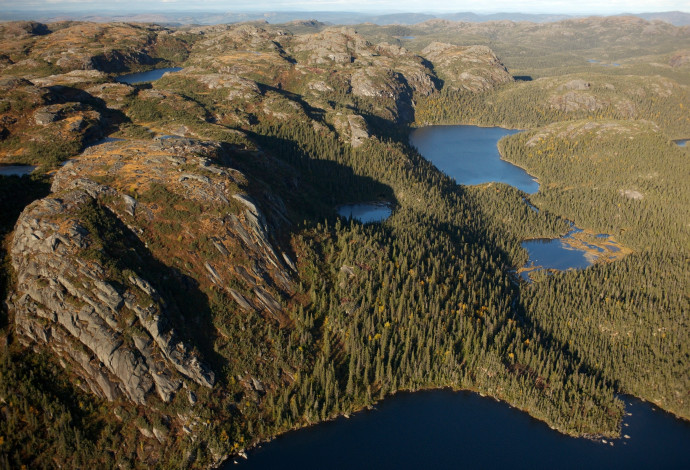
(205,244)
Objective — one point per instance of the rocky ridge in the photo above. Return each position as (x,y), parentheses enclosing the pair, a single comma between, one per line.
(473,68)
(109,319)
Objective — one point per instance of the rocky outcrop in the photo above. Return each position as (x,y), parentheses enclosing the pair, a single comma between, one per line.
(577,84)
(679,59)
(70,78)
(331,46)
(335,61)
(352,128)
(47,122)
(473,68)
(106,318)
(116,337)
(385,75)
(578,99)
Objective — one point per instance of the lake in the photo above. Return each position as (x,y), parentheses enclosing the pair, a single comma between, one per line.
(143,77)
(469,155)
(442,429)
(16,170)
(366,212)
(576,249)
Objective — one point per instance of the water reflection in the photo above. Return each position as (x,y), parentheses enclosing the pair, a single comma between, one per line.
(445,429)
(366,212)
(16,170)
(469,155)
(577,249)
(143,77)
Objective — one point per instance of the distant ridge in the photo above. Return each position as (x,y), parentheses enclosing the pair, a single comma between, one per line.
(676,18)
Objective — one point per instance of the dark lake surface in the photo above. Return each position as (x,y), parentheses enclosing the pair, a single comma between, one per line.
(366,212)
(442,429)
(143,77)
(470,156)
(16,170)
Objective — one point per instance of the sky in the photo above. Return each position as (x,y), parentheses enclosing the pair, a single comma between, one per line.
(602,7)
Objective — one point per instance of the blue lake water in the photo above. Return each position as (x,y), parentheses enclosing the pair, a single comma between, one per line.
(143,77)
(681,143)
(366,212)
(470,156)
(442,429)
(16,170)
(556,253)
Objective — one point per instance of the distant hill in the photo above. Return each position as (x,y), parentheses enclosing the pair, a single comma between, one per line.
(676,18)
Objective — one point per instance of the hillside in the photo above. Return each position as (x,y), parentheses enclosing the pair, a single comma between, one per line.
(185,290)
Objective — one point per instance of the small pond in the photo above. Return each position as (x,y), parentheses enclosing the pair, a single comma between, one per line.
(16,170)
(469,155)
(575,250)
(143,77)
(366,212)
(442,429)
(681,142)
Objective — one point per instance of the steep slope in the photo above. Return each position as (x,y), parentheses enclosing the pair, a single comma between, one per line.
(198,288)
(90,290)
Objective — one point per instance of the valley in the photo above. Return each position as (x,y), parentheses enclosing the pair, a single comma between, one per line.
(254,243)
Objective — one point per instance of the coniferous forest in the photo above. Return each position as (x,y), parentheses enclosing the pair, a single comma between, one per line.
(212,221)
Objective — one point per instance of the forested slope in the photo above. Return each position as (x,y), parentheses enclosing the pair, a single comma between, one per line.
(205,248)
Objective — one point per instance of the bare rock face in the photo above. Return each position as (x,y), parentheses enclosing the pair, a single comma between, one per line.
(115,336)
(88,288)
(474,68)
(70,78)
(238,87)
(576,84)
(331,46)
(576,101)
(353,128)
(680,59)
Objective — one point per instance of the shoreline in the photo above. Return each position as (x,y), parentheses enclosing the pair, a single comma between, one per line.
(372,407)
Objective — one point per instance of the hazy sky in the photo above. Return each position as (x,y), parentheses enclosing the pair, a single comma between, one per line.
(525,6)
